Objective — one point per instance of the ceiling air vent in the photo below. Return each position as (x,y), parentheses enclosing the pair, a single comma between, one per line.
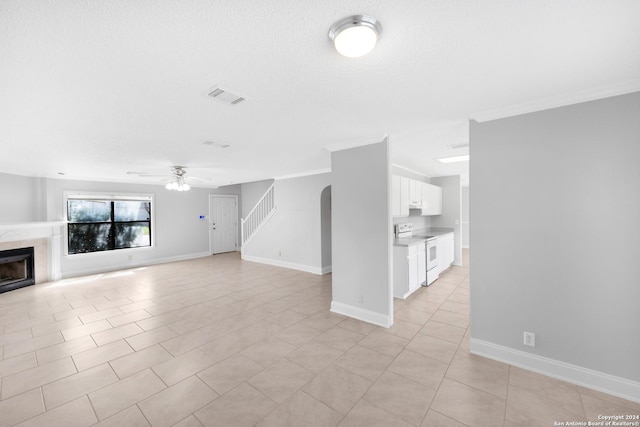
(216,144)
(456,146)
(225,96)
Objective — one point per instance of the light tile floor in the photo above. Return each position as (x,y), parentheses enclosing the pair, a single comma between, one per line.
(218,341)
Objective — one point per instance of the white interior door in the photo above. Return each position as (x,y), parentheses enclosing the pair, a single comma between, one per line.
(223,223)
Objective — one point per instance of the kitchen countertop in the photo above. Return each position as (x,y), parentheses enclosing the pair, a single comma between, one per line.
(408,241)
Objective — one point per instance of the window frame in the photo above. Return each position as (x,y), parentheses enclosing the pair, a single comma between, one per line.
(109,197)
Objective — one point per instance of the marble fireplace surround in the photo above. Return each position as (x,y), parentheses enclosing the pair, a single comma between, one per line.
(44,237)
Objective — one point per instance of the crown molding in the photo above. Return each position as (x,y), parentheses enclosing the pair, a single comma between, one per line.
(562,100)
(302,174)
(345,145)
(409,170)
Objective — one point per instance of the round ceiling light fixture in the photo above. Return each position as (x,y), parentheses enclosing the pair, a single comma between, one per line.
(355,35)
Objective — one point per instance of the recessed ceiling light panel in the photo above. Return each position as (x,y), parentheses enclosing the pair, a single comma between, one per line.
(456,146)
(355,35)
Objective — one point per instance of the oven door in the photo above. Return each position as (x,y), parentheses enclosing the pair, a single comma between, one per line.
(432,261)
(432,254)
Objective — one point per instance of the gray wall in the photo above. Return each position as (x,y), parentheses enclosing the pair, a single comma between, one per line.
(292,236)
(451,210)
(555,209)
(21,198)
(465,224)
(361,223)
(251,194)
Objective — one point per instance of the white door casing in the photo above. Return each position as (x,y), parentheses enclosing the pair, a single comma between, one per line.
(223,223)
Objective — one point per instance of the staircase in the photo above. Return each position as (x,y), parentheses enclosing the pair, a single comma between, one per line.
(261,212)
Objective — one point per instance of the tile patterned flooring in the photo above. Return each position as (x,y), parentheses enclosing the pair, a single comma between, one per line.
(242,344)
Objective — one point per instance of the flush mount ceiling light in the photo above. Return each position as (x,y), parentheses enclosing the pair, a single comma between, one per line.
(464,158)
(355,35)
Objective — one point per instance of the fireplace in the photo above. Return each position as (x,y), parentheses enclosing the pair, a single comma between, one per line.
(16,268)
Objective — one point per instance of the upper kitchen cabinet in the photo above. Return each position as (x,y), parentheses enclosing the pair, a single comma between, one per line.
(415,193)
(431,200)
(409,193)
(399,195)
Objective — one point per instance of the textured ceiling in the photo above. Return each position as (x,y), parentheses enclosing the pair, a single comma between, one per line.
(95,89)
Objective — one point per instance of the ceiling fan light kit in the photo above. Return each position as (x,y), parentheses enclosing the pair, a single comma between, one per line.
(356,35)
(177,181)
(178,186)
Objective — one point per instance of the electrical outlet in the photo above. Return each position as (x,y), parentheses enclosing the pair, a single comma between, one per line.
(361,299)
(279,253)
(530,339)
(130,257)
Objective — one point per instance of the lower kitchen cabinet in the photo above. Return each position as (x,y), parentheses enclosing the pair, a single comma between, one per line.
(409,269)
(446,249)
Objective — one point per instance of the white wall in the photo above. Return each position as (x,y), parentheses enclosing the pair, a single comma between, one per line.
(465,224)
(361,225)
(179,233)
(555,209)
(451,210)
(251,194)
(21,198)
(292,236)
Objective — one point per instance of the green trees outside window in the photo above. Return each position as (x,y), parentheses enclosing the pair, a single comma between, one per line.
(104,225)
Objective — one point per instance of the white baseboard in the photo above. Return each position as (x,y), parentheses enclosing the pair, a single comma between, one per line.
(574,374)
(89,271)
(285,264)
(362,314)
(326,270)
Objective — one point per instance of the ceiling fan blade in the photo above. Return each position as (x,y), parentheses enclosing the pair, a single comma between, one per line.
(197,179)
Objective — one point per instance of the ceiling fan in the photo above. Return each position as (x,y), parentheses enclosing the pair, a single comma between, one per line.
(176,179)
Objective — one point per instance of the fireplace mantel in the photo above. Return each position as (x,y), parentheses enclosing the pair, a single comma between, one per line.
(32,224)
(15,235)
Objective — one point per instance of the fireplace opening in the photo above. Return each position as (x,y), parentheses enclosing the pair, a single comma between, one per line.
(16,269)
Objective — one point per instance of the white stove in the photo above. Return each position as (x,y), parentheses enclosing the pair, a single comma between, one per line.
(431,249)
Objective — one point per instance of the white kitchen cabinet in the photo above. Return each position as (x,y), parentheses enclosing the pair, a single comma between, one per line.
(399,196)
(431,200)
(407,192)
(409,269)
(445,251)
(415,192)
(435,198)
(422,265)
(404,196)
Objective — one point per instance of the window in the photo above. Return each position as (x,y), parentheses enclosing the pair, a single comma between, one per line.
(98,224)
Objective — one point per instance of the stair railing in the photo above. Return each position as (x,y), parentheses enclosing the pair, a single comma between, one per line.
(260,213)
